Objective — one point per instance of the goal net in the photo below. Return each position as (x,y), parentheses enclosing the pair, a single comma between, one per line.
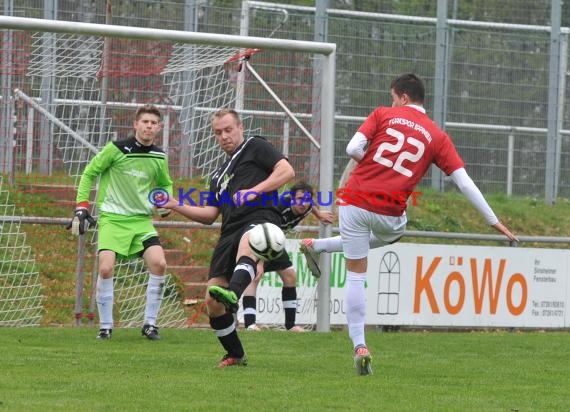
(20,286)
(95,85)
(78,92)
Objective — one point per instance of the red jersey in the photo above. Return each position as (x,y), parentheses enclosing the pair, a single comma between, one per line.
(403,142)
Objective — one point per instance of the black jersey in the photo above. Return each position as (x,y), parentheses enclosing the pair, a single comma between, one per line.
(289,219)
(251,163)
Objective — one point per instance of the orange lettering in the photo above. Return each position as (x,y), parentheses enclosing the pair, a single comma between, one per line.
(423,283)
(454,277)
(487,278)
(516,310)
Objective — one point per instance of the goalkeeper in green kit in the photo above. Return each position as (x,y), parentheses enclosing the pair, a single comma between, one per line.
(131,172)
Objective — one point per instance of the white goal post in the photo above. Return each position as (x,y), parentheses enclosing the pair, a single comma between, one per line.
(325,51)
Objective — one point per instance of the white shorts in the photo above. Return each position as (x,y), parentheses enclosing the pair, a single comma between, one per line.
(362,230)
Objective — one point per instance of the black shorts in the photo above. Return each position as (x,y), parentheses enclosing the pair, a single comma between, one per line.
(282,262)
(224,257)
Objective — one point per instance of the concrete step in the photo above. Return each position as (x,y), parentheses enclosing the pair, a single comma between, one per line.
(57,192)
(196,274)
(177,257)
(194,282)
(64,203)
(188,273)
(195,290)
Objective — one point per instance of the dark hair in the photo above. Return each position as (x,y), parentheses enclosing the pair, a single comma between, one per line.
(222,112)
(303,186)
(411,85)
(148,108)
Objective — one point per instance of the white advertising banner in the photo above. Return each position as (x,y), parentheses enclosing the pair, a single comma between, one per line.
(438,285)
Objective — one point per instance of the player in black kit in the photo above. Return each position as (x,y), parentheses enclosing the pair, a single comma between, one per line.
(244,192)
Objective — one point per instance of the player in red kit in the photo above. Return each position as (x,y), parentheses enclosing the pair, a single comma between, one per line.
(394,148)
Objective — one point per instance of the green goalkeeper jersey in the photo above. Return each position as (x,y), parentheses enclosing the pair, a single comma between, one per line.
(129,171)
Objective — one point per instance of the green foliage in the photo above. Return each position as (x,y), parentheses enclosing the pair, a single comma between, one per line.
(67,369)
(433,207)
(416,7)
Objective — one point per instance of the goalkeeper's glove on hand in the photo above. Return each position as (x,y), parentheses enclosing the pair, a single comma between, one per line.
(81,221)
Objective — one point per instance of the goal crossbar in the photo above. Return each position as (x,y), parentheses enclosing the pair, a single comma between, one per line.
(142,33)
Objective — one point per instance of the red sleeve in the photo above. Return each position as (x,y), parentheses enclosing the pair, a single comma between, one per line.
(446,157)
(370,126)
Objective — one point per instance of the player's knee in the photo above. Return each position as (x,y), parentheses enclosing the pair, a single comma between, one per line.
(105,270)
(158,266)
(289,277)
(289,281)
(213,307)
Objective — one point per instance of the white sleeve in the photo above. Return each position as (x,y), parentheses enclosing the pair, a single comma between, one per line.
(355,147)
(474,195)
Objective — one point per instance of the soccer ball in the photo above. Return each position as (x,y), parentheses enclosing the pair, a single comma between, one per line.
(267,241)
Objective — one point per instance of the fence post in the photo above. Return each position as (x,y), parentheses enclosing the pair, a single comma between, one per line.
(80,278)
(553,133)
(441,50)
(510,163)
(30,140)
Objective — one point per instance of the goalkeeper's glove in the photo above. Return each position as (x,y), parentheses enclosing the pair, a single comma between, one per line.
(81,221)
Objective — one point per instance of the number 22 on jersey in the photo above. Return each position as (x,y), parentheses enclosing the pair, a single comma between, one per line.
(403,156)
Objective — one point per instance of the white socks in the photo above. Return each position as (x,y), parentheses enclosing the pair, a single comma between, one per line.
(329,244)
(154,295)
(104,299)
(355,306)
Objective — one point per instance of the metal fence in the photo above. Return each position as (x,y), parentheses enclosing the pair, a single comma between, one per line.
(492,85)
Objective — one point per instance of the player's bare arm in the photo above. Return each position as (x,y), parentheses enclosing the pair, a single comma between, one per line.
(503,229)
(201,214)
(324,216)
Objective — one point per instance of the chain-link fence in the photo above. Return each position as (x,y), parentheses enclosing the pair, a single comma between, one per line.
(496,72)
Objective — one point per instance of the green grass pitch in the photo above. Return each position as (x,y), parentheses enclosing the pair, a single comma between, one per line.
(66,369)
